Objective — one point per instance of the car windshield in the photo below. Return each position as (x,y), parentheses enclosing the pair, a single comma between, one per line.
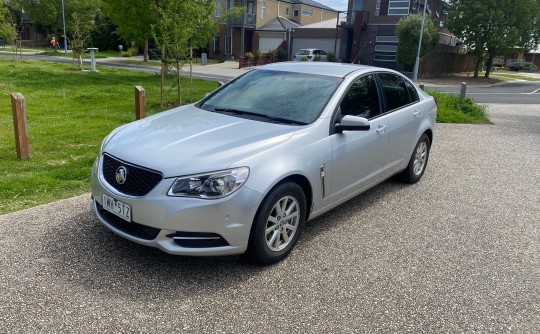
(274,96)
(303,52)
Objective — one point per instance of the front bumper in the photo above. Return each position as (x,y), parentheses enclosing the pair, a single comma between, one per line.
(181,225)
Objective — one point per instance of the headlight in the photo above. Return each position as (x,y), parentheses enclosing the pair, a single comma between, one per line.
(211,185)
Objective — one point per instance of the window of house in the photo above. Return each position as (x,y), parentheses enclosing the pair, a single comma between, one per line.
(382,57)
(217,49)
(218,8)
(385,48)
(263,9)
(307,12)
(230,4)
(378,8)
(395,91)
(386,39)
(398,7)
(295,13)
(362,99)
(286,11)
(250,8)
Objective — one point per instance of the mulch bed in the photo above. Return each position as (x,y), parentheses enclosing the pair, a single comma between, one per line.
(458,79)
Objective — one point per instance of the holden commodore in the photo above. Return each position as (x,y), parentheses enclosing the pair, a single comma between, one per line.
(242,170)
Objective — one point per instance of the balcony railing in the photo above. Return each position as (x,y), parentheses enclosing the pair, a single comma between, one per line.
(245,19)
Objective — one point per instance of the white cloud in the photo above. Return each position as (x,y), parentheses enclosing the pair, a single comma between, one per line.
(336,4)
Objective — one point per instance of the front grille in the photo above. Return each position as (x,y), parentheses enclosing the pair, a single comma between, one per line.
(198,239)
(139,181)
(131,228)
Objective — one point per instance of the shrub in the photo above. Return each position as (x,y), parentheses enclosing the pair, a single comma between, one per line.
(258,53)
(271,54)
(283,55)
(453,109)
(130,52)
(331,56)
(317,58)
(249,55)
(303,58)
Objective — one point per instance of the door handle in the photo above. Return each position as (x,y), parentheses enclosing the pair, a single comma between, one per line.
(381,129)
(416,113)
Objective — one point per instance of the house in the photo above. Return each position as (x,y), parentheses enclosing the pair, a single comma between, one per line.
(369,29)
(263,25)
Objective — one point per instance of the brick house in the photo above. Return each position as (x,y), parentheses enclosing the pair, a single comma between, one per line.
(369,30)
(263,25)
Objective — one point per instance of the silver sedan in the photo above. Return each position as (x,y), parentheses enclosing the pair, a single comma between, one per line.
(242,170)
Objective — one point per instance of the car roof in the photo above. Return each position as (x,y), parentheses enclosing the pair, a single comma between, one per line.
(338,70)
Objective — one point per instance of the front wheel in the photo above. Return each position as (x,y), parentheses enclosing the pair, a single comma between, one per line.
(278,224)
(418,162)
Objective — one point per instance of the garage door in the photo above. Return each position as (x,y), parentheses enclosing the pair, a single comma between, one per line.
(326,44)
(269,43)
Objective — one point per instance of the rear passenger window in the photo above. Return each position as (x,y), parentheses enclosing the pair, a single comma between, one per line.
(395,91)
(413,94)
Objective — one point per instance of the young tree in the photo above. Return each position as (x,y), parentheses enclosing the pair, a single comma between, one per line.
(172,34)
(134,19)
(80,32)
(8,28)
(181,26)
(408,32)
(46,15)
(492,28)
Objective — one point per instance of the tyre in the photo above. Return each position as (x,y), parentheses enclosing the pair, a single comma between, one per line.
(278,224)
(418,162)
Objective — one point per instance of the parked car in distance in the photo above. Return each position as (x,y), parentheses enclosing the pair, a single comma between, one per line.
(242,170)
(310,55)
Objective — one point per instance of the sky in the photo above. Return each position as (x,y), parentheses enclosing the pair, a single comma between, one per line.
(336,4)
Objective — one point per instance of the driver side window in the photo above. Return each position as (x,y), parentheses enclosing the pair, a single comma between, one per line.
(362,99)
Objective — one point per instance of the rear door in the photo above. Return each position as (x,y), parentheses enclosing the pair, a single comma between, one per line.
(404,118)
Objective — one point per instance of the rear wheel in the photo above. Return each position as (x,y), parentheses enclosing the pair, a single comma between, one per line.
(278,224)
(418,162)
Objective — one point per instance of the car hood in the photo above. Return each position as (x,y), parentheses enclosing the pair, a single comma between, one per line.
(189,140)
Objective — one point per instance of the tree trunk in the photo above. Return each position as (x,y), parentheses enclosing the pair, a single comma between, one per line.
(178,82)
(488,67)
(477,68)
(162,81)
(145,52)
(190,74)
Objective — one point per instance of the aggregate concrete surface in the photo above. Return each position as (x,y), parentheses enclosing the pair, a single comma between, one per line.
(457,252)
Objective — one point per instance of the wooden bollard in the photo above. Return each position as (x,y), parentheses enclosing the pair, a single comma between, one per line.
(20,125)
(140,102)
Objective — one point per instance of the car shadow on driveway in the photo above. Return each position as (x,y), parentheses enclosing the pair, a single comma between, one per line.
(87,255)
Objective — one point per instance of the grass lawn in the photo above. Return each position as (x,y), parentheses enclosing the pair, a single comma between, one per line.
(453,109)
(514,76)
(69,113)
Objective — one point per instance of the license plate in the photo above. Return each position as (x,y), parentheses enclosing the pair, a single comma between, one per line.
(117,207)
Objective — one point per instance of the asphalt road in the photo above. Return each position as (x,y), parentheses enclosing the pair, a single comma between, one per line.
(457,252)
(523,92)
(130,67)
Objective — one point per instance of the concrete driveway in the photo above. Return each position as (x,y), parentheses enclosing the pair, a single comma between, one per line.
(457,252)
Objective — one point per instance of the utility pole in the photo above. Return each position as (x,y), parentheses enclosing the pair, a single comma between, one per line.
(64,23)
(417,62)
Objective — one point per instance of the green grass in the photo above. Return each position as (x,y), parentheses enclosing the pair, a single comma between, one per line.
(69,113)
(86,55)
(514,76)
(453,109)
(154,63)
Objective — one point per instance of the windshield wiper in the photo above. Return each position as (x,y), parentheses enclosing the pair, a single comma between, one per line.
(249,113)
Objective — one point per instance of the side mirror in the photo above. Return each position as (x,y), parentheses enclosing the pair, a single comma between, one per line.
(352,123)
